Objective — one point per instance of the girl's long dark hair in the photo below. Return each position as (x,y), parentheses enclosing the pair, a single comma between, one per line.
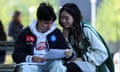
(74,11)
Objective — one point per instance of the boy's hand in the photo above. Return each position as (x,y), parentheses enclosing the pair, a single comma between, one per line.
(37,59)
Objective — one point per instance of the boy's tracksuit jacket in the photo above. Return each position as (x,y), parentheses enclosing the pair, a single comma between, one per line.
(29,37)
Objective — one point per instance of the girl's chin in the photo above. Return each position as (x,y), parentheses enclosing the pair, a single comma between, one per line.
(66,27)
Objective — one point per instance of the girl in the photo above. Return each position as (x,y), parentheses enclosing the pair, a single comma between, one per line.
(88,56)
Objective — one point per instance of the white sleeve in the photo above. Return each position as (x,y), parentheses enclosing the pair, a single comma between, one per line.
(98,53)
(28,58)
(116,60)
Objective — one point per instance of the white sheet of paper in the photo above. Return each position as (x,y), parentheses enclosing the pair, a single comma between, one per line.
(55,54)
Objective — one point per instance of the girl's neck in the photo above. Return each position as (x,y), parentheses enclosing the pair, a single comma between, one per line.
(65,33)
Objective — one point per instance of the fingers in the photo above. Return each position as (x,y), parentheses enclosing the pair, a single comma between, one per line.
(37,59)
(68,52)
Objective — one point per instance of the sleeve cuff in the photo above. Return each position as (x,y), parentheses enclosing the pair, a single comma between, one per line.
(29,58)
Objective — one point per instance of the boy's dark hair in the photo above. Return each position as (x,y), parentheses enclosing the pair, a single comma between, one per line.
(45,12)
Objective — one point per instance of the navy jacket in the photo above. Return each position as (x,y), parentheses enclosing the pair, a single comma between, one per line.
(25,42)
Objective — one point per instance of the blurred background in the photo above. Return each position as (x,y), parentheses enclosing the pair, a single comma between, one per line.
(104,15)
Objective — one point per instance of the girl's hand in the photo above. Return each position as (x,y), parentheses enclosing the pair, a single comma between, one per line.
(68,52)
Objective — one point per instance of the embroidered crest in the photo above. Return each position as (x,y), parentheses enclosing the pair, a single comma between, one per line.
(30,38)
(53,38)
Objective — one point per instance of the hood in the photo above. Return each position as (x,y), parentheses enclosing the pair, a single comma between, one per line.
(35,32)
(41,37)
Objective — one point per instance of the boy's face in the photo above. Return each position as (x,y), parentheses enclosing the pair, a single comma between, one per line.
(44,25)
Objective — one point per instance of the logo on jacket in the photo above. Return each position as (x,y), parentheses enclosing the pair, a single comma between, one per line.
(41,46)
(30,38)
(53,38)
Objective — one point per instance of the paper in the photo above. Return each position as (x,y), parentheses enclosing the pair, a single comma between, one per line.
(52,54)
(55,54)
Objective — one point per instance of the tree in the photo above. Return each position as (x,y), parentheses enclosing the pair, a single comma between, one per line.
(9,6)
(108,20)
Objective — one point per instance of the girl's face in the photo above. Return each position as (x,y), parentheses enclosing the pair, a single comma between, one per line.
(66,19)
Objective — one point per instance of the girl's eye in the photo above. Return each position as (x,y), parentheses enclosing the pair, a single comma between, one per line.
(64,17)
